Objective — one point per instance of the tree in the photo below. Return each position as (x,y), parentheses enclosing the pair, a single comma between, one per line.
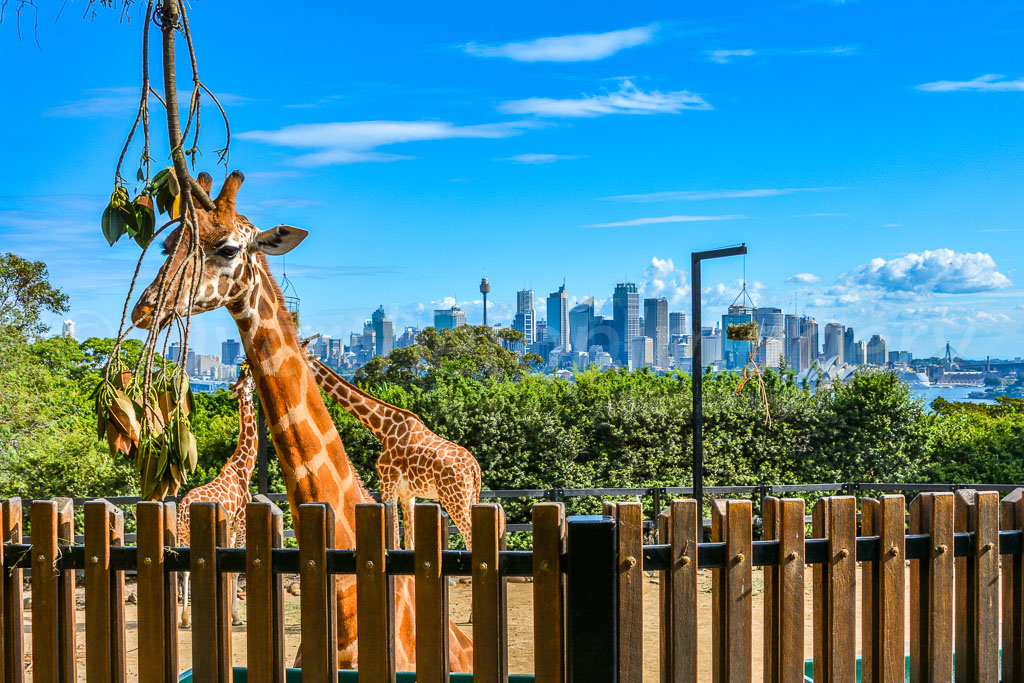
(25,292)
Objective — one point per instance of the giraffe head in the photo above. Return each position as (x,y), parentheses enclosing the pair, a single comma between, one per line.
(233,255)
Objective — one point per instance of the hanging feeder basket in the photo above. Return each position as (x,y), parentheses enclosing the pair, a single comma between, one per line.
(742,331)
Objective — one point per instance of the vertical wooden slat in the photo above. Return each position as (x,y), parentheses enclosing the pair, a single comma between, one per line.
(66,627)
(629,518)
(149,564)
(1012,518)
(171,596)
(548,593)
(732,607)
(3,603)
(835,591)
(490,651)
(265,628)
(104,595)
(45,627)
(931,590)
(14,617)
(317,597)
(883,591)
(678,528)
(784,591)
(211,612)
(375,606)
(431,532)
(977,587)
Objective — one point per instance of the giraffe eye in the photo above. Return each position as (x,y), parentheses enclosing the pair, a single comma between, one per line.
(228,252)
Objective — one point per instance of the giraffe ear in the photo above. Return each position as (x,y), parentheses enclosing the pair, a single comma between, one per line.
(280,239)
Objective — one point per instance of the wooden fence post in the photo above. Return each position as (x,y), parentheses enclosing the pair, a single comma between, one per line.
(375,593)
(548,593)
(1012,518)
(149,564)
(883,591)
(104,594)
(731,604)
(211,604)
(66,622)
(977,587)
(784,591)
(431,531)
(678,527)
(835,591)
(46,650)
(317,597)
(14,613)
(264,630)
(171,596)
(628,518)
(931,590)
(490,631)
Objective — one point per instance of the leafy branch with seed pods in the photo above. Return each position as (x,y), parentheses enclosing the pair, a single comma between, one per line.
(143,409)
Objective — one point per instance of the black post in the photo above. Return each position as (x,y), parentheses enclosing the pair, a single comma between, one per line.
(262,447)
(592,603)
(697,371)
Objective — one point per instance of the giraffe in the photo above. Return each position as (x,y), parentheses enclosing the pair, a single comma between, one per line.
(235,274)
(414,462)
(230,488)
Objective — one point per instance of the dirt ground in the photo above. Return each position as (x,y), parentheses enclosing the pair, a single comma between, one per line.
(520,627)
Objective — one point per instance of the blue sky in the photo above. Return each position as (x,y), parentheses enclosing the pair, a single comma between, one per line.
(869,154)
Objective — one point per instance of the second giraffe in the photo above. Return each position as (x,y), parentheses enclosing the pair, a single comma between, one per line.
(414,462)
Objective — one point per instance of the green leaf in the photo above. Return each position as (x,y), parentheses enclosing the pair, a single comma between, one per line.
(146,220)
(112,225)
(140,176)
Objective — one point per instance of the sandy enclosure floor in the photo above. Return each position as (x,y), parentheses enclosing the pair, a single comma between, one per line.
(520,627)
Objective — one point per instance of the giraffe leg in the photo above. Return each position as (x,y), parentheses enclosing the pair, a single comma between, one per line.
(186,617)
(408,503)
(389,494)
(236,619)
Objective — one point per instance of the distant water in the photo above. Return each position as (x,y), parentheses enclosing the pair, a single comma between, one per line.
(951,394)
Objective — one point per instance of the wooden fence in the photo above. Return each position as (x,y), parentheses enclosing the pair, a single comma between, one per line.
(587,587)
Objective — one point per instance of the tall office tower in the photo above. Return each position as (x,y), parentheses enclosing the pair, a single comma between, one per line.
(485,287)
(626,317)
(541,334)
(525,318)
(602,334)
(849,347)
(656,328)
(355,341)
(186,360)
(860,352)
(677,324)
(834,342)
(69,329)
(408,337)
(792,324)
(877,350)
(711,339)
(735,353)
(641,353)
(384,332)
(809,329)
(230,350)
(449,318)
(771,328)
(369,343)
(558,318)
(802,354)
(581,325)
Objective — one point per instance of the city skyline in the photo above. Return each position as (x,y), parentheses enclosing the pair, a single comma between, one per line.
(874,174)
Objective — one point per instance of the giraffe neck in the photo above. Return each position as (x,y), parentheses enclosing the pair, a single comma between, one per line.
(244,458)
(374,414)
(312,457)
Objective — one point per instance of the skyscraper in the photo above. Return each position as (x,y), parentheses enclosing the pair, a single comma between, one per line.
(809,329)
(877,350)
(835,342)
(229,352)
(626,317)
(581,325)
(793,336)
(735,353)
(525,318)
(69,329)
(384,332)
(771,330)
(641,353)
(677,324)
(656,328)
(849,347)
(602,334)
(558,318)
(449,318)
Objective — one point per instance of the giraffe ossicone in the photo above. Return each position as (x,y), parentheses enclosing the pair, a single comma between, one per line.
(234,274)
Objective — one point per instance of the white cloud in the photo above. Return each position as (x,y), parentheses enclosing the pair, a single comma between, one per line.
(662,219)
(628,99)
(803,279)
(356,141)
(722,294)
(727,56)
(581,47)
(539,158)
(942,271)
(662,278)
(107,101)
(986,83)
(698,195)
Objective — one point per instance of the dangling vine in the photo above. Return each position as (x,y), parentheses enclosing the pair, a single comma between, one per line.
(143,408)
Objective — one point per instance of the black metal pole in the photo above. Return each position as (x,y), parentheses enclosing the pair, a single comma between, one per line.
(697,371)
(592,600)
